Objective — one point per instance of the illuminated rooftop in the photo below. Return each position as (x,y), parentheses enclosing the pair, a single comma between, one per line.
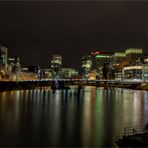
(134,50)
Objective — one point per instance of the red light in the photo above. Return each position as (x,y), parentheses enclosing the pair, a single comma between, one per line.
(96,52)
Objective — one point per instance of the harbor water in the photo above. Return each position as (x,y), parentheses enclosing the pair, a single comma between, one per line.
(90,117)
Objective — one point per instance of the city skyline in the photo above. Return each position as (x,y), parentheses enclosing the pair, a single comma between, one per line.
(71,29)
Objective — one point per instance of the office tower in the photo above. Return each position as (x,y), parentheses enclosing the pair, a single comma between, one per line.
(39,71)
(132,54)
(68,73)
(119,57)
(120,61)
(86,66)
(14,64)
(100,59)
(48,73)
(3,59)
(145,65)
(134,70)
(56,65)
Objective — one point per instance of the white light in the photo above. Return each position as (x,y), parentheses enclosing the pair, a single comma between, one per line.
(133,67)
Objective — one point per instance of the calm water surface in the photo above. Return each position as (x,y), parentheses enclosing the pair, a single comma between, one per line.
(92,117)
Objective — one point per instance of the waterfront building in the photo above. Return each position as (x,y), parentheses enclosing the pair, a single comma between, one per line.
(33,69)
(86,66)
(3,60)
(144,58)
(119,57)
(14,64)
(68,73)
(25,74)
(56,65)
(119,68)
(48,73)
(145,64)
(92,75)
(132,54)
(134,70)
(37,70)
(108,71)
(101,60)
(145,73)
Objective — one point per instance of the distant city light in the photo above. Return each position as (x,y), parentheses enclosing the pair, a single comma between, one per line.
(102,56)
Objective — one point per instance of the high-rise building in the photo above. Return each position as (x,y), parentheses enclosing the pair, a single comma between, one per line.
(144,60)
(120,61)
(14,64)
(132,54)
(119,57)
(56,64)
(86,66)
(99,59)
(48,73)
(134,70)
(3,59)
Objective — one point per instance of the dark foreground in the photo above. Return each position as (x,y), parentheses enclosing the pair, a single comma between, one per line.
(134,137)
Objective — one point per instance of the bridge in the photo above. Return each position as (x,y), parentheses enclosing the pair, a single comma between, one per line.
(66,83)
(124,81)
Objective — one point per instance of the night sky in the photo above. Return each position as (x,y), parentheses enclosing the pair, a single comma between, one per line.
(36,30)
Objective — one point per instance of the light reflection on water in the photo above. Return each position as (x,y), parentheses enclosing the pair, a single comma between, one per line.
(90,117)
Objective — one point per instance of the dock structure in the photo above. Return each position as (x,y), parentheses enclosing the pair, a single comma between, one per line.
(133,137)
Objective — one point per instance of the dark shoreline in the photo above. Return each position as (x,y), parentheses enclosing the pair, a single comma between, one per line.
(11,85)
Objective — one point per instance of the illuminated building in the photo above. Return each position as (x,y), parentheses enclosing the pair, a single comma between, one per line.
(33,69)
(68,73)
(118,69)
(48,73)
(108,71)
(119,57)
(100,61)
(56,65)
(145,64)
(92,75)
(132,54)
(3,60)
(146,59)
(86,66)
(14,64)
(133,70)
(37,70)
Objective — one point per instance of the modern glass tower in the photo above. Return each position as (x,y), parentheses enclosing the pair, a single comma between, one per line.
(56,64)
(3,59)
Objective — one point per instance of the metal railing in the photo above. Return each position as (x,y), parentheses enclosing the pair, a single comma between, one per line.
(134,130)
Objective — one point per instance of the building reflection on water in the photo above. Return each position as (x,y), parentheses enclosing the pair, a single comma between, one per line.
(89,117)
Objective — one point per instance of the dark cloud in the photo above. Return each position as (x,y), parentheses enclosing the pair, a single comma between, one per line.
(36,30)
